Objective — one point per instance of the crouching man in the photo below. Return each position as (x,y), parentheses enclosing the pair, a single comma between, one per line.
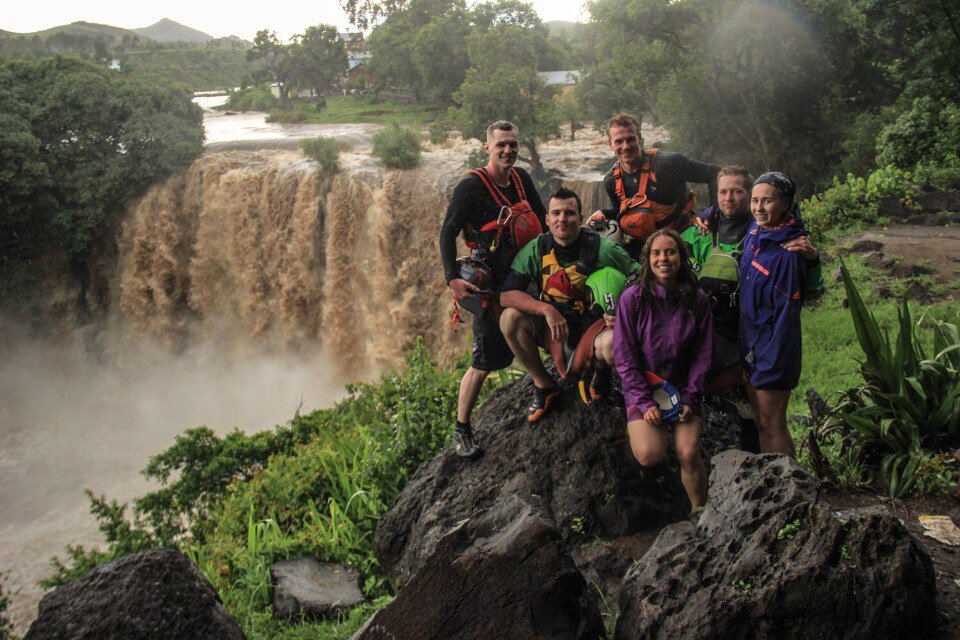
(555,268)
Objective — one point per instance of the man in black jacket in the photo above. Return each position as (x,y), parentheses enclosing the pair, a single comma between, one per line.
(477,201)
(663,176)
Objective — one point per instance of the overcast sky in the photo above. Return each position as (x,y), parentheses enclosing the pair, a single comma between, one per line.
(239,17)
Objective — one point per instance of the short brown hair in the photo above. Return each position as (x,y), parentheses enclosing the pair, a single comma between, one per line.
(502,125)
(623,119)
(737,170)
(563,193)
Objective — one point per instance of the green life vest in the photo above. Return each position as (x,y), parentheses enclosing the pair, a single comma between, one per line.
(720,279)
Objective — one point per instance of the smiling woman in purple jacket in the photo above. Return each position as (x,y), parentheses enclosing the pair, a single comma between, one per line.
(771,280)
(664,327)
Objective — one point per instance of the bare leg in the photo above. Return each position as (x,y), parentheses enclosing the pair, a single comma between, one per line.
(770,410)
(693,473)
(470,387)
(648,443)
(519,330)
(603,348)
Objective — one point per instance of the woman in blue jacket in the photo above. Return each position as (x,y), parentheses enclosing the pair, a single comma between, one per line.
(771,281)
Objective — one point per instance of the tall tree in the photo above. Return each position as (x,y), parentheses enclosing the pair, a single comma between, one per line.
(78,142)
(279,66)
(319,57)
(503,84)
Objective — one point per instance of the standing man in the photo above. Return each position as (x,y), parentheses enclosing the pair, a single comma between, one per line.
(648,187)
(477,203)
(558,263)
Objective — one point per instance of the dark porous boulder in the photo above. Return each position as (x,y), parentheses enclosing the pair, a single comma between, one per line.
(937,201)
(306,585)
(154,595)
(500,576)
(577,459)
(765,560)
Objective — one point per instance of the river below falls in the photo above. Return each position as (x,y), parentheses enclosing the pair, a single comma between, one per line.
(68,423)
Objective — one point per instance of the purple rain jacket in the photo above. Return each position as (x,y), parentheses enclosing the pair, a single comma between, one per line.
(653,332)
(771,281)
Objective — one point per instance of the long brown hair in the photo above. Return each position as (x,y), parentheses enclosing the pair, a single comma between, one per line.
(686,278)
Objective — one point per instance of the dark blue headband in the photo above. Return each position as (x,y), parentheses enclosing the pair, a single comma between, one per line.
(780,182)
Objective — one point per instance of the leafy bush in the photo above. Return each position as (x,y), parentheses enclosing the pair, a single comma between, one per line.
(398,147)
(477,158)
(856,201)
(907,412)
(255,98)
(929,132)
(325,151)
(438,132)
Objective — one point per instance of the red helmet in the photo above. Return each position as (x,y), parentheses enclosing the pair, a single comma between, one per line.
(476,273)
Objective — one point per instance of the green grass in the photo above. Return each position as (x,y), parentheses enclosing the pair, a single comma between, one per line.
(831,353)
(354,109)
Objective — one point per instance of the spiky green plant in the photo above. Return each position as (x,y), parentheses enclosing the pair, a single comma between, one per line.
(908,408)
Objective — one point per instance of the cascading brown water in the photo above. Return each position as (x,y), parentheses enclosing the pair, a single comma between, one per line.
(263,248)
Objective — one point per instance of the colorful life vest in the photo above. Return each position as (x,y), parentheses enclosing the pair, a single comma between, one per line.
(515,226)
(640,216)
(565,287)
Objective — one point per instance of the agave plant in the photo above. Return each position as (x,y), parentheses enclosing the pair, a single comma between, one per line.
(909,405)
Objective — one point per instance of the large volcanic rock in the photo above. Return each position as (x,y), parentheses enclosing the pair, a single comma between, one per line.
(154,595)
(577,460)
(764,560)
(503,575)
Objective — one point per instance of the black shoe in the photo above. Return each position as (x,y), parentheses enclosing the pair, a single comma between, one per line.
(598,387)
(464,445)
(542,400)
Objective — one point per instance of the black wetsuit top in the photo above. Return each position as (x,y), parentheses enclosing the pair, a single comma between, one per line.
(673,171)
(473,205)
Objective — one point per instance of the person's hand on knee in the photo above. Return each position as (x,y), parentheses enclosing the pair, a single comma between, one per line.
(652,416)
(686,412)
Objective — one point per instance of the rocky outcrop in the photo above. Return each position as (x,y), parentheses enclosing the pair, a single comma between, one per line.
(765,560)
(308,586)
(154,595)
(503,575)
(577,460)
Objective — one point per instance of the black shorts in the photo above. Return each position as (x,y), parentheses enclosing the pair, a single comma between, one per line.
(490,349)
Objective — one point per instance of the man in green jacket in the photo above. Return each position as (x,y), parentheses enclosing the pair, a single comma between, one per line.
(716,244)
(557,265)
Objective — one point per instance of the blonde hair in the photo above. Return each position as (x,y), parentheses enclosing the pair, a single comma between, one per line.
(623,119)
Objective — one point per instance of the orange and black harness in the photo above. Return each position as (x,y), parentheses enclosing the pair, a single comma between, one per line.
(640,216)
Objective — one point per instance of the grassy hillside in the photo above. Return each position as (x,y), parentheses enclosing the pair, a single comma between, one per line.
(91,29)
(198,69)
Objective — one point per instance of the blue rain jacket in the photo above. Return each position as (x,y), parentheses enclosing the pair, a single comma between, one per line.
(771,281)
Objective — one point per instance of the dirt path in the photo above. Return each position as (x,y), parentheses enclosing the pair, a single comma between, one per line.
(936,247)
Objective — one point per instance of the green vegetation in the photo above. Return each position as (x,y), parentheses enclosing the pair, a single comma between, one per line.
(856,201)
(78,143)
(803,87)
(6,627)
(325,151)
(901,421)
(789,530)
(438,131)
(237,503)
(255,98)
(397,146)
(362,108)
(197,69)
(314,60)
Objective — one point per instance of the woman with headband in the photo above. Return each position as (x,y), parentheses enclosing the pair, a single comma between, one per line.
(770,296)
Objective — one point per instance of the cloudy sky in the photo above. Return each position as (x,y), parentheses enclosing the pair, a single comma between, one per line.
(239,17)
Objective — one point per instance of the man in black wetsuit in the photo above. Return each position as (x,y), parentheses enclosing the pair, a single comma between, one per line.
(666,201)
(477,201)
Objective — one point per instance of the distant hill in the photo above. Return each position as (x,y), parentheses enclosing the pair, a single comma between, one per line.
(169,31)
(91,29)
